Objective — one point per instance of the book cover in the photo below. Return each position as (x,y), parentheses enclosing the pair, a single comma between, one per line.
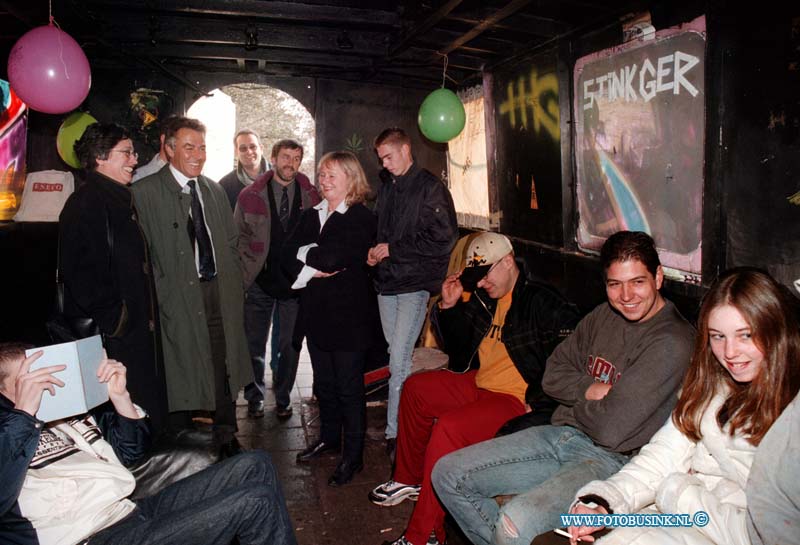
(81,391)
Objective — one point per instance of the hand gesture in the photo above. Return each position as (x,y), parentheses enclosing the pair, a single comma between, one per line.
(371,260)
(379,252)
(29,386)
(597,391)
(451,291)
(583,533)
(115,375)
(320,274)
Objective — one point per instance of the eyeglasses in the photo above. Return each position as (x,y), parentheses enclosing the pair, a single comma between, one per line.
(128,153)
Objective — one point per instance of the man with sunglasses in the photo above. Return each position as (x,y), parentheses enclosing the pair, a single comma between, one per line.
(498,338)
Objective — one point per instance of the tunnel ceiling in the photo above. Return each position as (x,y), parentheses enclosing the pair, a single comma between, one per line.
(402,42)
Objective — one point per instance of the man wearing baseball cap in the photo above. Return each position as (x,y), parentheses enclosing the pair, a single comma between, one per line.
(498,328)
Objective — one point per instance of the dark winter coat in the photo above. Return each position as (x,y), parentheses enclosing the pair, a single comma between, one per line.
(335,311)
(114,287)
(417,218)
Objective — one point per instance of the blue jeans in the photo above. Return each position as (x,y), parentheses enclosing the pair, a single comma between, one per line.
(544,466)
(238,497)
(402,317)
(258,312)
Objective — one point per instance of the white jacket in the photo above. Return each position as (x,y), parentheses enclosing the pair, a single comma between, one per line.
(83,490)
(673,474)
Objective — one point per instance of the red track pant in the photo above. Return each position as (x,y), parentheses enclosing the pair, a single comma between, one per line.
(441,412)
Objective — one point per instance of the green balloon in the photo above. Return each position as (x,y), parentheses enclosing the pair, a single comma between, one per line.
(441,116)
(70,131)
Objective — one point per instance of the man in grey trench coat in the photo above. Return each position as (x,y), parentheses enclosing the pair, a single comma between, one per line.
(198,281)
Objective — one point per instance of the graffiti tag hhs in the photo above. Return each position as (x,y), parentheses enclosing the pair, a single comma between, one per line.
(668,74)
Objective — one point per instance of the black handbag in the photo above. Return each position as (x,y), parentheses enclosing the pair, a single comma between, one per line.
(61,327)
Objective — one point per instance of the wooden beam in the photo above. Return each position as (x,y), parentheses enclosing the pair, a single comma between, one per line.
(136,28)
(523,23)
(399,78)
(422,57)
(256,10)
(424,26)
(235,53)
(511,8)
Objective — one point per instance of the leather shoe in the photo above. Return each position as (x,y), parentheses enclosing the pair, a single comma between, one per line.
(283,412)
(255,409)
(315,450)
(344,472)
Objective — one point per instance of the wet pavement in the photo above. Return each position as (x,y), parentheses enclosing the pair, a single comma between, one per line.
(322,514)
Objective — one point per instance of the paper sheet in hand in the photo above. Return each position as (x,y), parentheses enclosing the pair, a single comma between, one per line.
(82,391)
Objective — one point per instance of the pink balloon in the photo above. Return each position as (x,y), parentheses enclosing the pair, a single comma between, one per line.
(49,71)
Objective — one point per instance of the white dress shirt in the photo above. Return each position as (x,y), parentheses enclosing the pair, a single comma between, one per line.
(183,181)
(307,273)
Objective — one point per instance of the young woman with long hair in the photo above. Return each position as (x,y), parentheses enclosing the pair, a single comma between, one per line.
(744,372)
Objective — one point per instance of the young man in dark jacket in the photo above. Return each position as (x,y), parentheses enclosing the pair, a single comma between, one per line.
(417,230)
(65,482)
(499,340)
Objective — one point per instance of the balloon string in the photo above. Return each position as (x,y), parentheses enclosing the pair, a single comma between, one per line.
(60,44)
(444,69)
(52,19)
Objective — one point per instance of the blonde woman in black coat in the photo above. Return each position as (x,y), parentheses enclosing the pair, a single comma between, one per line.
(326,255)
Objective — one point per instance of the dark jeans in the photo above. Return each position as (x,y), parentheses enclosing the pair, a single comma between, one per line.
(258,316)
(239,497)
(339,387)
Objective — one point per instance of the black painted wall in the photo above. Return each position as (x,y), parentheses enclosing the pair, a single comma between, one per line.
(752,129)
(760,163)
(752,162)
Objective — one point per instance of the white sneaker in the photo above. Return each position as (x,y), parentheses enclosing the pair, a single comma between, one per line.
(392,493)
(403,541)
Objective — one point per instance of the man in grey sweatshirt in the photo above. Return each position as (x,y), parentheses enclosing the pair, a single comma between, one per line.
(616,380)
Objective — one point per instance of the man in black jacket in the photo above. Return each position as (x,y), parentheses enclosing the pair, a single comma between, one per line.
(499,340)
(417,230)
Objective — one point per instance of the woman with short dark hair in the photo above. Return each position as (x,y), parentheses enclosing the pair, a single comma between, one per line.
(105,265)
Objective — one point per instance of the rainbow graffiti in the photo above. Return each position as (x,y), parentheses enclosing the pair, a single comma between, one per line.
(13,132)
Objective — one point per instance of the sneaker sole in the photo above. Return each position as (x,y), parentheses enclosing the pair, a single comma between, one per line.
(384,501)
